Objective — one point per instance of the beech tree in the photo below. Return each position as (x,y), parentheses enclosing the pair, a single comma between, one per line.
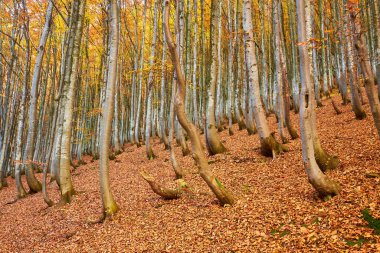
(77,87)
(214,145)
(269,145)
(109,204)
(223,195)
(33,183)
(322,184)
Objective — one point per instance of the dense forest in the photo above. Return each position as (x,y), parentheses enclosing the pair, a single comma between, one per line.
(159,85)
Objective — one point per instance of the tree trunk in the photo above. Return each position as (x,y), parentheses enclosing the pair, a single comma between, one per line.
(67,189)
(214,145)
(322,184)
(223,195)
(109,204)
(148,121)
(366,68)
(269,145)
(33,183)
(21,116)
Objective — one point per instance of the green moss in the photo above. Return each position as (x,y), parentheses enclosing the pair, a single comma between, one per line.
(359,242)
(372,221)
(221,186)
(325,161)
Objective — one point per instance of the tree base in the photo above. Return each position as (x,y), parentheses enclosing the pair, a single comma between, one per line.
(270,147)
(360,115)
(150,155)
(165,193)
(325,161)
(67,197)
(111,210)
(251,131)
(326,188)
(242,125)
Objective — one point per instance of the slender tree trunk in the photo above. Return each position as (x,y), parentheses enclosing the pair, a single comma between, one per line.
(33,183)
(366,68)
(67,189)
(324,160)
(21,116)
(322,184)
(177,169)
(353,72)
(230,83)
(109,204)
(214,145)
(140,78)
(148,121)
(163,87)
(269,145)
(195,65)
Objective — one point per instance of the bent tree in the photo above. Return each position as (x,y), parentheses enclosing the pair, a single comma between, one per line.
(322,184)
(33,183)
(222,193)
(109,204)
(269,145)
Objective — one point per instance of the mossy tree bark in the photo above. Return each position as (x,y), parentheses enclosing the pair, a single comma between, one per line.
(324,160)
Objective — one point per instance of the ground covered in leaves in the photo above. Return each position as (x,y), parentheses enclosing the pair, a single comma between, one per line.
(277,209)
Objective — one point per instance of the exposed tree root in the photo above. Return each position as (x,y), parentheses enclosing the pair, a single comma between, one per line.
(165,193)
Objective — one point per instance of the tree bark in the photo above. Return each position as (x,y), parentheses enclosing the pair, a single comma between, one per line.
(321,183)
(67,189)
(33,183)
(269,145)
(223,195)
(214,145)
(109,205)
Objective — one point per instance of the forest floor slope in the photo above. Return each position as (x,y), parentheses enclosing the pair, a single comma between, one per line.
(277,209)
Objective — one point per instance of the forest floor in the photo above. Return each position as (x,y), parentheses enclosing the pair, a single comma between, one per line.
(277,209)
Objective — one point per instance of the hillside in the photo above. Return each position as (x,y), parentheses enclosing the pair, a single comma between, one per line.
(277,208)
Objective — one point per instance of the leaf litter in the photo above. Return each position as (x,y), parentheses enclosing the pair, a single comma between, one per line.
(277,209)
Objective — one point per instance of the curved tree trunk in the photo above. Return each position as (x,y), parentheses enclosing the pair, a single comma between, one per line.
(109,204)
(21,116)
(324,160)
(223,195)
(177,169)
(353,72)
(322,184)
(33,183)
(366,68)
